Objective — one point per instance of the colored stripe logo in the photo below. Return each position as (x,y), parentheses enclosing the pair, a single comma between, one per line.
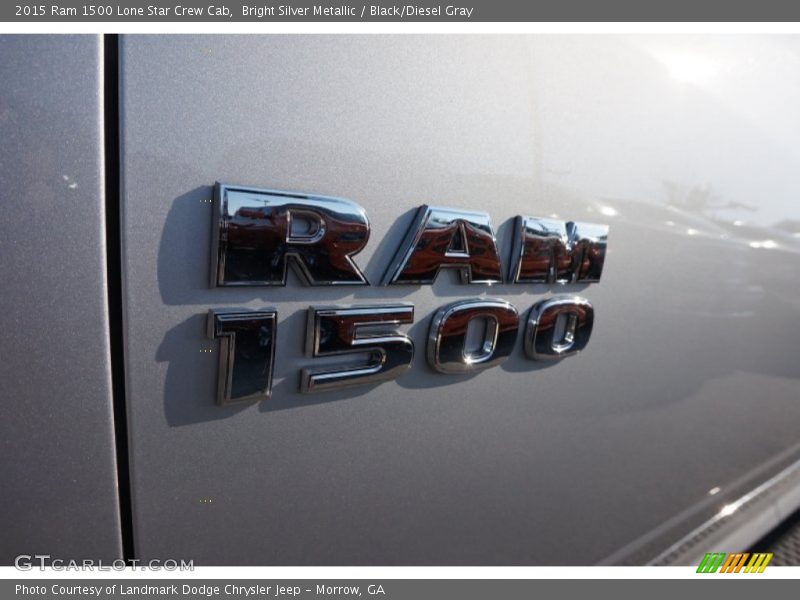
(743,562)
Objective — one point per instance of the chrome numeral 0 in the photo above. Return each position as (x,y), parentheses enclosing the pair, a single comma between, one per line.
(247,353)
(447,338)
(334,331)
(558,327)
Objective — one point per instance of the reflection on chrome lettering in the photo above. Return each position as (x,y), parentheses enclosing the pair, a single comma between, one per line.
(447,338)
(447,238)
(558,327)
(551,251)
(257,233)
(247,353)
(362,329)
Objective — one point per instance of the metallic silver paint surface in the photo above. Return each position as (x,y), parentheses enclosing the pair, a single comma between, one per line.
(57,456)
(690,382)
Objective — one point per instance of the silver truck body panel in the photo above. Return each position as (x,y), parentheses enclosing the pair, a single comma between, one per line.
(685,398)
(57,454)
(672,434)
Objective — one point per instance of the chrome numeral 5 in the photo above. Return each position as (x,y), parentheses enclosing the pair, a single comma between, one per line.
(333,331)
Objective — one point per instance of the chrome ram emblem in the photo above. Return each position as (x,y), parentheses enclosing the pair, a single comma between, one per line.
(258,233)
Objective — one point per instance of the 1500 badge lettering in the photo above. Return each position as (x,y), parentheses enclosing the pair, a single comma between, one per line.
(258,234)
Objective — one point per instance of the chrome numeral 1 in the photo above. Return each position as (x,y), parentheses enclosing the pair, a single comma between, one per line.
(335,331)
(447,338)
(247,353)
(558,327)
